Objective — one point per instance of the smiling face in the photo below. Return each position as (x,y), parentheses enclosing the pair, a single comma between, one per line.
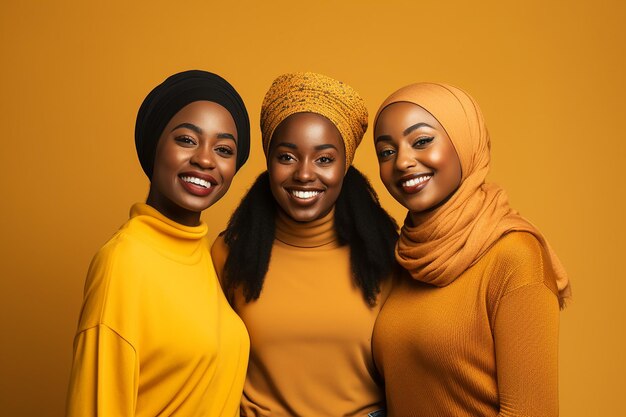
(417,160)
(195,161)
(306,165)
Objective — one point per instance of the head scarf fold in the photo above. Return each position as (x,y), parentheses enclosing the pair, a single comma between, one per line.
(303,92)
(178,90)
(445,242)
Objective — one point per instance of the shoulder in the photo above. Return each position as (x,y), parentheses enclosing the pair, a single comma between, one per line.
(519,259)
(219,247)
(113,271)
(517,264)
(517,246)
(219,254)
(517,250)
(122,251)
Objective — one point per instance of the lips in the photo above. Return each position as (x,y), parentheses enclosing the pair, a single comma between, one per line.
(304,196)
(198,184)
(414,183)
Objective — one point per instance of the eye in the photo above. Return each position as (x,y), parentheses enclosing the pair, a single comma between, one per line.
(385,153)
(185,140)
(285,157)
(325,159)
(224,150)
(421,142)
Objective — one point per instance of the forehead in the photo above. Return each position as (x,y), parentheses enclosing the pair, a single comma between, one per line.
(205,113)
(307,130)
(398,116)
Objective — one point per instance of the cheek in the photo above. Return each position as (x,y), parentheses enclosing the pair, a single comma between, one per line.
(385,170)
(446,162)
(334,178)
(277,174)
(450,159)
(332,193)
(166,162)
(228,169)
(436,158)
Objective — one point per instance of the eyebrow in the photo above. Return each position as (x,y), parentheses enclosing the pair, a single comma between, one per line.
(414,127)
(286,145)
(387,138)
(226,136)
(189,126)
(199,131)
(325,146)
(317,148)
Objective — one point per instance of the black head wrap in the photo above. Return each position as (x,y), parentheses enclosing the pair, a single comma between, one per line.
(175,93)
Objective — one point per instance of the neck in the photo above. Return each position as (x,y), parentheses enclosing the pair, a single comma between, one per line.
(177,241)
(171,210)
(418,216)
(316,233)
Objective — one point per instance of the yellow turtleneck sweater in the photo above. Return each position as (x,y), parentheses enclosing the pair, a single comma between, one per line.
(310,330)
(156,336)
(485,345)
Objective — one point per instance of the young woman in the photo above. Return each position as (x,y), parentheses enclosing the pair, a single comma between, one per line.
(472,329)
(305,256)
(156,335)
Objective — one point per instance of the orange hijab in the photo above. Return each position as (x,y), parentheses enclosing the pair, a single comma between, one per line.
(445,242)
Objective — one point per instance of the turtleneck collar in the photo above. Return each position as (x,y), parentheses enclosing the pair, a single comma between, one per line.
(313,234)
(182,243)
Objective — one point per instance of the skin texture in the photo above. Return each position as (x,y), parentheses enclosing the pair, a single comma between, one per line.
(412,145)
(199,141)
(306,155)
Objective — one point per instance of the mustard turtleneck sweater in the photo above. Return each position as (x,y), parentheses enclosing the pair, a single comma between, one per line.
(310,330)
(156,335)
(484,345)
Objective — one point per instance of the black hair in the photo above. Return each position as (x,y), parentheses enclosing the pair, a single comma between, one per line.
(360,222)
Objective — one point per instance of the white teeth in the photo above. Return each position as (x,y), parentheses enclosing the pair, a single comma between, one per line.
(413,182)
(197,181)
(304,194)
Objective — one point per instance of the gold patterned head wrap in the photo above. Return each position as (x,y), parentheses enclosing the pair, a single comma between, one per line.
(438,246)
(308,92)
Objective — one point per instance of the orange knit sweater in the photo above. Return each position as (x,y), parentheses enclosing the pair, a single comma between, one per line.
(484,345)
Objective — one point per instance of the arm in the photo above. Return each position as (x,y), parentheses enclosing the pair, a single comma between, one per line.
(526,344)
(104,375)
(105,367)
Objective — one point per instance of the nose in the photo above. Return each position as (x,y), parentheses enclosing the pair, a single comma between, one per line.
(405,158)
(203,157)
(304,172)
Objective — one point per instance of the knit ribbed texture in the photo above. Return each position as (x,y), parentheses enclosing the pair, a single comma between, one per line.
(485,345)
(315,93)
(310,330)
(439,245)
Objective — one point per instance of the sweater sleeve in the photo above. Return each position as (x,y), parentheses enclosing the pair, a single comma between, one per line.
(104,375)
(526,338)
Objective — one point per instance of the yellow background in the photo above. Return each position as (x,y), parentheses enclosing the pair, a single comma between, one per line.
(549,76)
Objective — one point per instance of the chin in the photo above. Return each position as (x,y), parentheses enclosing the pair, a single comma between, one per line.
(199,206)
(303,216)
(412,205)
(401,199)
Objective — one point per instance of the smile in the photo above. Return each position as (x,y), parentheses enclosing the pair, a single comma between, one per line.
(197,181)
(416,181)
(198,184)
(304,195)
